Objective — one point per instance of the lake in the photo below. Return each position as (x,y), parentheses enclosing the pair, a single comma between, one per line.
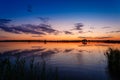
(75,61)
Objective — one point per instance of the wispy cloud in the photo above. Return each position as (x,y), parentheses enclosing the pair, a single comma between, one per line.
(20,29)
(40,29)
(37,36)
(83,37)
(106,27)
(107,37)
(92,28)
(85,31)
(4,21)
(117,31)
(78,26)
(104,37)
(90,31)
(44,19)
(81,32)
(68,32)
(4,37)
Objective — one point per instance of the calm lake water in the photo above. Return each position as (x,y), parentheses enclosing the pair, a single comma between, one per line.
(76,61)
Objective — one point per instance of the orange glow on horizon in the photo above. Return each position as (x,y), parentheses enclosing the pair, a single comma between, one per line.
(89,36)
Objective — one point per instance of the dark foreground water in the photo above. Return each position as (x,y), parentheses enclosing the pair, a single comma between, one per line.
(74,61)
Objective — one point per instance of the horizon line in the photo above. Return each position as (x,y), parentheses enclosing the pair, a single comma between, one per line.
(84,40)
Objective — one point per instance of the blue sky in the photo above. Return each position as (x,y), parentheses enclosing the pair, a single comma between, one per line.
(63,14)
(18,8)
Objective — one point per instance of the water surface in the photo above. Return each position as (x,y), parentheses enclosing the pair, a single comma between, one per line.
(75,61)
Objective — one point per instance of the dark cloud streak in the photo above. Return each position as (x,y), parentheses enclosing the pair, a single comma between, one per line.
(4,21)
(118,31)
(44,19)
(78,26)
(4,37)
(20,29)
(40,29)
(37,36)
(105,37)
(106,27)
(68,32)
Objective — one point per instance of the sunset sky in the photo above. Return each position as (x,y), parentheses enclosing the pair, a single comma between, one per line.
(59,19)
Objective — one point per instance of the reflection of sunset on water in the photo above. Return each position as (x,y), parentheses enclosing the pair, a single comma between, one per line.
(69,57)
(62,46)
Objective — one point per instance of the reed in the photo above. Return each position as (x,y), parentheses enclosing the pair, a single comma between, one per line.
(20,69)
(113,60)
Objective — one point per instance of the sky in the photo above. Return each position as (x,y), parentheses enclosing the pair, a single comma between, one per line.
(59,19)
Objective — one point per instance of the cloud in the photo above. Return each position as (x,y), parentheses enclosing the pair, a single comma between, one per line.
(106,27)
(68,32)
(4,21)
(118,31)
(37,36)
(8,29)
(44,19)
(20,29)
(85,31)
(28,28)
(4,37)
(105,37)
(89,31)
(83,37)
(78,26)
(92,28)
(46,28)
(81,32)
(40,29)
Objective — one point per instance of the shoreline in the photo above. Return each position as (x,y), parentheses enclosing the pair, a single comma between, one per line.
(105,41)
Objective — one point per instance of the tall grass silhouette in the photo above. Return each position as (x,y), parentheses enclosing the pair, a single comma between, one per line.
(22,70)
(113,60)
